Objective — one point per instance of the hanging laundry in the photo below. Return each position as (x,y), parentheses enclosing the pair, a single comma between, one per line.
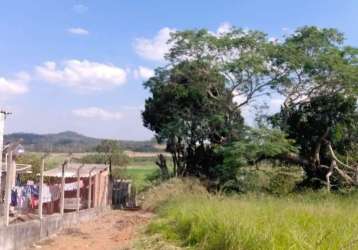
(73,186)
(31,190)
(55,192)
(20,197)
(13,197)
(46,194)
(30,183)
(33,202)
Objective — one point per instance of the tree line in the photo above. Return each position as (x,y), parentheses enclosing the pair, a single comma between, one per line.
(196,102)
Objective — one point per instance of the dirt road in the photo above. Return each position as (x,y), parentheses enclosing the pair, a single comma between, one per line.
(114,230)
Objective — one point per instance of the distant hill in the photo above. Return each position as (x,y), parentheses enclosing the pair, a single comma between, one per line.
(72,142)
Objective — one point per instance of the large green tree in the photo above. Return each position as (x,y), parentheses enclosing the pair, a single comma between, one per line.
(190,120)
(315,62)
(196,101)
(243,58)
(322,129)
(319,83)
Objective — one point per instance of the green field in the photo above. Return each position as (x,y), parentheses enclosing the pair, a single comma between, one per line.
(300,221)
(139,170)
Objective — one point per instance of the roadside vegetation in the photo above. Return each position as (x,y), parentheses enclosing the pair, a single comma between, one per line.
(306,221)
(190,217)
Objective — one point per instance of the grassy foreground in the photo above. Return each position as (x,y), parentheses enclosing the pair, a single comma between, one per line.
(309,221)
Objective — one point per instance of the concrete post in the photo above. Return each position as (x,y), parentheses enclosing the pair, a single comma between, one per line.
(8,189)
(6,156)
(95,189)
(2,125)
(78,187)
(99,189)
(106,195)
(41,187)
(90,187)
(62,200)
(89,199)
(109,193)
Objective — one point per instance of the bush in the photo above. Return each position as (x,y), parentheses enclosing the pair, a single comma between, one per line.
(266,179)
(282,183)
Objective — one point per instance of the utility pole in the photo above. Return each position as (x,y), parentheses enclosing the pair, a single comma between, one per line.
(78,187)
(8,184)
(41,185)
(3,115)
(14,150)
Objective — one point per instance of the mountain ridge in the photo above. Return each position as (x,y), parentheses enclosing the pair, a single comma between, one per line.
(70,141)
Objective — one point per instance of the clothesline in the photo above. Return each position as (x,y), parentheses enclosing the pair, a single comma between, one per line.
(27,196)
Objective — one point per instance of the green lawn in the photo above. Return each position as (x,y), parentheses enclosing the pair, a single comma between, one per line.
(139,176)
(140,170)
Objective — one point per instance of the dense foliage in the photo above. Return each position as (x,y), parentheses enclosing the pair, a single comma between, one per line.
(196,102)
(322,121)
(188,119)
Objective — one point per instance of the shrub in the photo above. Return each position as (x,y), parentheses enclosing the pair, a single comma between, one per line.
(265,178)
(282,183)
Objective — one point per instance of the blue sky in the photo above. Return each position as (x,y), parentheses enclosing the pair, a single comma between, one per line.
(79,65)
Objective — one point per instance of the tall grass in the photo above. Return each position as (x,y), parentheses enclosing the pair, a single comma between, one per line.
(309,221)
(158,196)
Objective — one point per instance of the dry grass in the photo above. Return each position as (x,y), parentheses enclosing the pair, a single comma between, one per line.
(159,195)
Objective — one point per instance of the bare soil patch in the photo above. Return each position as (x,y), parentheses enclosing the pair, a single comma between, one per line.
(114,230)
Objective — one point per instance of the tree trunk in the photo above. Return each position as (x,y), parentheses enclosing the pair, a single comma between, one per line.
(162,164)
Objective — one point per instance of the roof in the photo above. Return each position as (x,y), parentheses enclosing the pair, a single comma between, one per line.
(20,168)
(71,170)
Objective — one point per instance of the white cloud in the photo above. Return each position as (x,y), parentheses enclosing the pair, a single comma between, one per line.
(143,73)
(132,108)
(82,75)
(15,86)
(78,31)
(97,113)
(80,8)
(154,48)
(224,28)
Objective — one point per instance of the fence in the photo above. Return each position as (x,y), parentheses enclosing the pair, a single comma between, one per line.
(21,235)
(123,194)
